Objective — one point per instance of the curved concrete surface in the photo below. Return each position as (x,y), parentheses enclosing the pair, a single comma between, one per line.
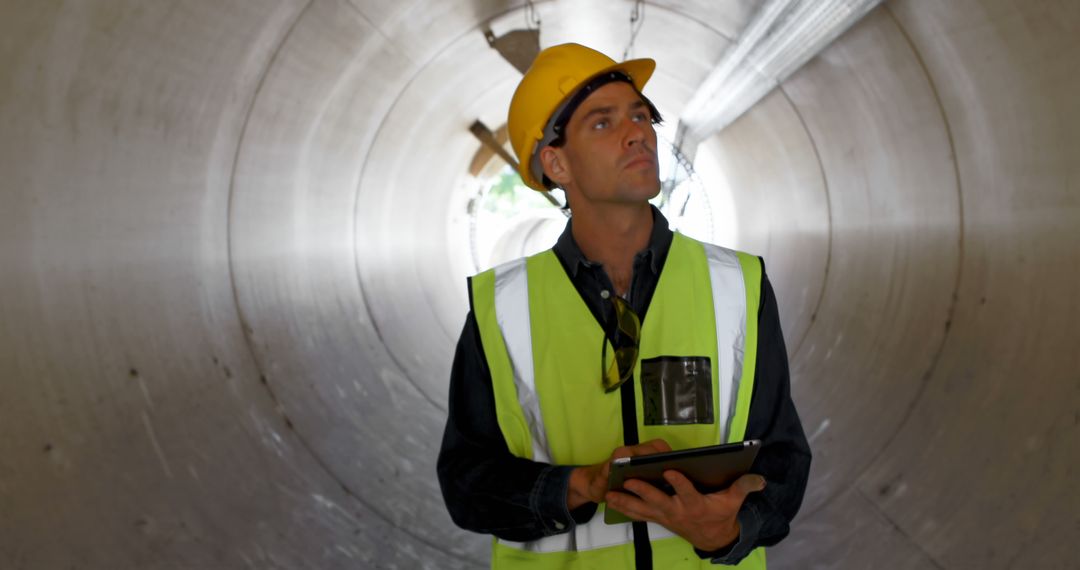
(234,237)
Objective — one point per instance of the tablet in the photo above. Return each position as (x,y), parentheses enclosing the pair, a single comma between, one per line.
(711,469)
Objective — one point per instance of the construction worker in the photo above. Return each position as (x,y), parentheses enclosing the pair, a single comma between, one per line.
(624,339)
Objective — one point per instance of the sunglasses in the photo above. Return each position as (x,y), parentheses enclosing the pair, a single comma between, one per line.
(627,337)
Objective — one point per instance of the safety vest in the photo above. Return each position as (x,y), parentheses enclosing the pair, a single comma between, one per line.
(543,346)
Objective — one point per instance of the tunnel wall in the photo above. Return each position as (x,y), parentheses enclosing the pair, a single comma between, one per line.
(931,143)
(151,356)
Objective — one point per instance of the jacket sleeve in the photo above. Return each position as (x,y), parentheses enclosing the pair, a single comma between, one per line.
(784,459)
(486,488)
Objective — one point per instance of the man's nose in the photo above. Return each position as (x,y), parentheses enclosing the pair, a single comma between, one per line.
(635,132)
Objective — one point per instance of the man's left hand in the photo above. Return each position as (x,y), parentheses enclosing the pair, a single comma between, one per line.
(708,521)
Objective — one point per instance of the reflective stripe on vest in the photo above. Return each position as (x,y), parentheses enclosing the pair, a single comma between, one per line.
(519,347)
(735,278)
(512,314)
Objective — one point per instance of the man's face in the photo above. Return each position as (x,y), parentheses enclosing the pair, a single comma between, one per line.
(610,149)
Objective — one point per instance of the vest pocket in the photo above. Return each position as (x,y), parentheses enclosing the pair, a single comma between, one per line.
(677,390)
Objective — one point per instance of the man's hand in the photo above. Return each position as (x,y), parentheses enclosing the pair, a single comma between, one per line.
(588,484)
(707,521)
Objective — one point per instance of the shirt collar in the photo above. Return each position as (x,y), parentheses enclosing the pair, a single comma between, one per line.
(659,242)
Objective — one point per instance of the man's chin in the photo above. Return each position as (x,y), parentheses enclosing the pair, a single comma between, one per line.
(655,190)
(647,191)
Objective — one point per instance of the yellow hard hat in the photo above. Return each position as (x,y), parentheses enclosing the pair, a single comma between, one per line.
(551,83)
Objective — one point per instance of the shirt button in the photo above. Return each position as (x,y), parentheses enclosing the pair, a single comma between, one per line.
(605,294)
(559,525)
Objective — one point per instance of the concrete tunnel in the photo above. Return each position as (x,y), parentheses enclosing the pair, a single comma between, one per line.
(234,239)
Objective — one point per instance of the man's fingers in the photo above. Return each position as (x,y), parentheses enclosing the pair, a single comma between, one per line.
(658,445)
(683,487)
(647,448)
(647,492)
(629,505)
(747,484)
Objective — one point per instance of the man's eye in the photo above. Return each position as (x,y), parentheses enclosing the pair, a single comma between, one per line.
(602,124)
(641,117)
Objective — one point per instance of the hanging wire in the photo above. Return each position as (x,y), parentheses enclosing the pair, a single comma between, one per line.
(532,17)
(637,18)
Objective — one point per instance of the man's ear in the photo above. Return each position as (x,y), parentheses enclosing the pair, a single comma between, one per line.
(554,162)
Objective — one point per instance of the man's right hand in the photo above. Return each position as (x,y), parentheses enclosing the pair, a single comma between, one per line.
(589,484)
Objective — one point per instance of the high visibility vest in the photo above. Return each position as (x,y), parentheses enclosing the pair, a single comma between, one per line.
(543,347)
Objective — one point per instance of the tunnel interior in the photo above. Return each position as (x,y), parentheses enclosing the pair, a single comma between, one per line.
(235,237)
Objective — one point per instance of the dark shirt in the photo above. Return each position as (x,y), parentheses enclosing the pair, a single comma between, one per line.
(490,491)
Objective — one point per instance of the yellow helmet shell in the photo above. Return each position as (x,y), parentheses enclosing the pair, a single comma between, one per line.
(555,75)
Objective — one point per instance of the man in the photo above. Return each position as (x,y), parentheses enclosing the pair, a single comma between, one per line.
(624,339)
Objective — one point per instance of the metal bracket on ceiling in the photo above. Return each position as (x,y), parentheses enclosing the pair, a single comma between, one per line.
(518,47)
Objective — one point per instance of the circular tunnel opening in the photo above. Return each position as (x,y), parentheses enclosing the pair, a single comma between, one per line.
(235,240)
